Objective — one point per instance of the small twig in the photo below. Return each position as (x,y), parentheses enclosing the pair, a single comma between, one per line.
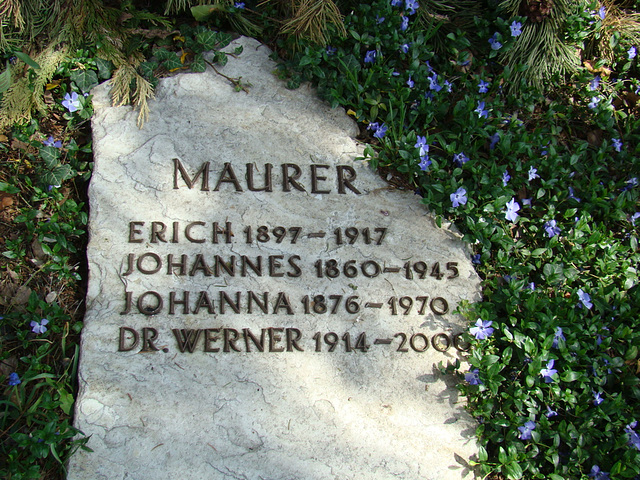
(234,81)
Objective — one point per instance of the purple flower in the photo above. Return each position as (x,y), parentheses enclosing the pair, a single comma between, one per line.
(424,163)
(71,102)
(526,430)
(634,217)
(473,377)
(495,138)
(396,3)
(597,399)
(633,438)
(584,298)
(481,111)
(459,197)
(632,52)
(460,158)
(370,56)
(617,144)
(379,20)
(595,83)
(14,379)
(50,142)
(550,413)
(572,195)
(433,82)
(551,228)
(405,23)
(594,102)
(405,47)
(557,336)
(331,50)
(533,173)
(596,473)
(495,44)
(482,330)
(475,259)
(422,145)
(380,131)
(505,178)
(239,5)
(447,85)
(483,87)
(39,327)
(411,6)
(512,208)
(410,83)
(602,12)
(532,286)
(548,372)
(516,28)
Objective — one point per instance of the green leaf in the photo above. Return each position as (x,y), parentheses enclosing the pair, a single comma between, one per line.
(50,155)
(483,456)
(238,50)
(57,175)
(538,252)
(104,68)
(203,12)
(147,68)
(198,65)
(5,79)
(220,58)
(513,471)
(172,63)
(209,40)
(27,59)
(163,54)
(84,79)
(7,187)
(66,402)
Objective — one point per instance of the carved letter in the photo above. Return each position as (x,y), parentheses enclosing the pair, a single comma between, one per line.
(204,171)
(267,178)
(134,231)
(344,181)
(289,181)
(122,347)
(315,178)
(228,176)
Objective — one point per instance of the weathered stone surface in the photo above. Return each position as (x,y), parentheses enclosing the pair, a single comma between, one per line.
(289,412)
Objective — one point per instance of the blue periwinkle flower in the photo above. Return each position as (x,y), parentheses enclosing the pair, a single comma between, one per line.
(551,228)
(51,142)
(505,178)
(558,335)
(39,327)
(617,144)
(597,399)
(460,158)
(411,6)
(370,56)
(495,44)
(526,430)
(548,372)
(239,5)
(481,111)
(533,173)
(594,102)
(595,83)
(14,379)
(405,23)
(482,330)
(584,298)
(631,53)
(512,208)
(71,102)
(483,87)
(459,197)
(550,413)
(473,377)
(596,473)
(516,28)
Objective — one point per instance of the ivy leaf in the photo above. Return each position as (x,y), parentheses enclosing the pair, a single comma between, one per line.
(84,79)
(220,58)
(198,65)
(209,40)
(172,64)
(50,155)
(147,69)
(104,68)
(57,175)
(163,54)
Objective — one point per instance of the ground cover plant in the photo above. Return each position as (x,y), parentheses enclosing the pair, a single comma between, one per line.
(517,121)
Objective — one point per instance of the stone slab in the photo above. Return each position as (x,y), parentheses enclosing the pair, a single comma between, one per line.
(346,285)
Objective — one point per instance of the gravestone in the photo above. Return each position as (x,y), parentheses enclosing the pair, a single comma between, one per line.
(261,305)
